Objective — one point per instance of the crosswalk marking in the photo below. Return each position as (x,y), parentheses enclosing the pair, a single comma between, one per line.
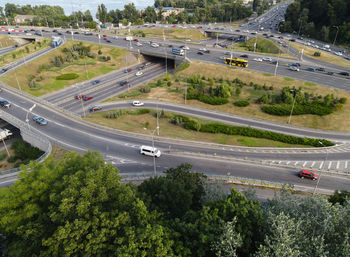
(304,164)
(312,164)
(338,165)
(330,163)
(321,165)
(346,164)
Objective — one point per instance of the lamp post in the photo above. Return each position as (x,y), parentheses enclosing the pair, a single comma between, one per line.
(319,176)
(81,100)
(336,34)
(294,97)
(29,110)
(166,56)
(154,157)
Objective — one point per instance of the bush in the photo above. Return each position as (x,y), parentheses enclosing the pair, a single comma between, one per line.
(146,89)
(99,51)
(12,159)
(317,54)
(193,125)
(67,76)
(241,103)
(208,99)
(3,156)
(285,109)
(183,66)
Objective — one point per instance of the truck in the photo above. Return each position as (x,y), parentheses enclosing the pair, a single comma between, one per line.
(128,38)
(178,51)
(5,133)
(56,41)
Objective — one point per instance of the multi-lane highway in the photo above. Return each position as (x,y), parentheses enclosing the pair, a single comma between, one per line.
(121,148)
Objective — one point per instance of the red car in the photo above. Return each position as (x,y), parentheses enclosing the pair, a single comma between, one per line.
(173,26)
(307,174)
(104,35)
(104,38)
(136,40)
(86,98)
(127,70)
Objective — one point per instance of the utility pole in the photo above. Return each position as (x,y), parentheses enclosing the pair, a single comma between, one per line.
(291,111)
(336,34)
(324,164)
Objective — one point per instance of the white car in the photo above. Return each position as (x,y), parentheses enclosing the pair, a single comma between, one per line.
(137,103)
(185,48)
(115,37)
(293,68)
(338,53)
(154,45)
(257,59)
(139,73)
(138,44)
(222,57)
(202,49)
(267,59)
(188,40)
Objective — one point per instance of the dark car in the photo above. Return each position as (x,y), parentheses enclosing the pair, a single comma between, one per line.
(320,69)
(292,40)
(4,103)
(55,30)
(170,45)
(109,41)
(311,69)
(244,56)
(76,32)
(307,174)
(141,67)
(40,120)
(295,64)
(330,73)
(124,83)
(207,51)
(95,82)
(344,73)
(200,53)
(95,108)
(4,70)
(59,33)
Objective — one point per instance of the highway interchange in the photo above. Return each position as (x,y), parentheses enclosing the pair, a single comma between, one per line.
(121,148)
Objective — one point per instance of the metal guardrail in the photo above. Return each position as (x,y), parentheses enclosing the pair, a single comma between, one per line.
(39,138)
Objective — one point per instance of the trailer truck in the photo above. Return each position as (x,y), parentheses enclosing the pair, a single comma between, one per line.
(56,41)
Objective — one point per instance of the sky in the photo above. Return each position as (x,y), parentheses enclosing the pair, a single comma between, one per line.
(82,5)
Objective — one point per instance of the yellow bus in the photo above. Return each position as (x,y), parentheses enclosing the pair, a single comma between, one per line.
(237,62)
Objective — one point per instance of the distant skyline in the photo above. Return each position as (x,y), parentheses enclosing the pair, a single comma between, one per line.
(82,5)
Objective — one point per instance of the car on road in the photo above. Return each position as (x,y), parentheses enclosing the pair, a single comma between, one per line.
(4,103)
(170,45)
(40,120)
(227,53)
(137,103)
(108,41)
(86,98)
(311,69)
(139,73)
(257,59)
(320,69)
(307,174)
(124,83)
(222,57)
(141,67)
(295,64)
(267,59)
(138,44)
(330,73)
(104,35)
(188,40)
(127,70)
(150,151)
(155,45)
(136,40)
(344,73)
(293,68)
(95,82)
(95,108)
(105,38)
(200,53)
(244,56)
(185,47)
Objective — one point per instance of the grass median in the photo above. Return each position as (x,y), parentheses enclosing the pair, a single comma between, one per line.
(175,93)
(144,123)
(6,41)
(40,76)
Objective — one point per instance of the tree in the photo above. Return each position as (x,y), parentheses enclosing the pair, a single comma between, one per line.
(340,197)
(101,14)
(149,15)
(78,207)
(176,193)
(130,13)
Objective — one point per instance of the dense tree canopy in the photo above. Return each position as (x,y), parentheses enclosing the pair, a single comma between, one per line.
(320,19)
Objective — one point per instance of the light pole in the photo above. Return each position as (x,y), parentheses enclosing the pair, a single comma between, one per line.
(336,34)
(29,110)
(319,176)
(294,97)
(166,56)
(185,94)
(154,157)
(81,100)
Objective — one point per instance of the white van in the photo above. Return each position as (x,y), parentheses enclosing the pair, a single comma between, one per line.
(150,151)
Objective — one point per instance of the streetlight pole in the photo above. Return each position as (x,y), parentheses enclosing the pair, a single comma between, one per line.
(319,176)
(7,151)
(154,157)
(29,110)
(336,34)
(81,100)
(166,56)
(291,111)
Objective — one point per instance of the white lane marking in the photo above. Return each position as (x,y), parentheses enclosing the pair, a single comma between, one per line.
(312,164)
(321,165)
(346,164)
(295,164)
(288,162)
(304,164)
(330,163)
(338,165)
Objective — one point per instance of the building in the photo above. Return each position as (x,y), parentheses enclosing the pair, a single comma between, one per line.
(166,11)
(24,18)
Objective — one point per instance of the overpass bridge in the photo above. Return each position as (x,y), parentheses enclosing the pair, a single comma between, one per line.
(232,35)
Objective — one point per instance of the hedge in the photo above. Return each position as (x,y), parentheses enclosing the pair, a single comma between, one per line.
(216,128)
(67,76)
(208,99)
(241,103)
(284,109)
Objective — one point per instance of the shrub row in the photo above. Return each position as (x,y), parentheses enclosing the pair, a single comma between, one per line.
(67,76)
(208,99)
(246,131)
(285,109)
(241,103)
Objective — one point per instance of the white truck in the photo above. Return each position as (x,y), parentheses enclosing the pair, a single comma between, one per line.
(128,38)
(5,133)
